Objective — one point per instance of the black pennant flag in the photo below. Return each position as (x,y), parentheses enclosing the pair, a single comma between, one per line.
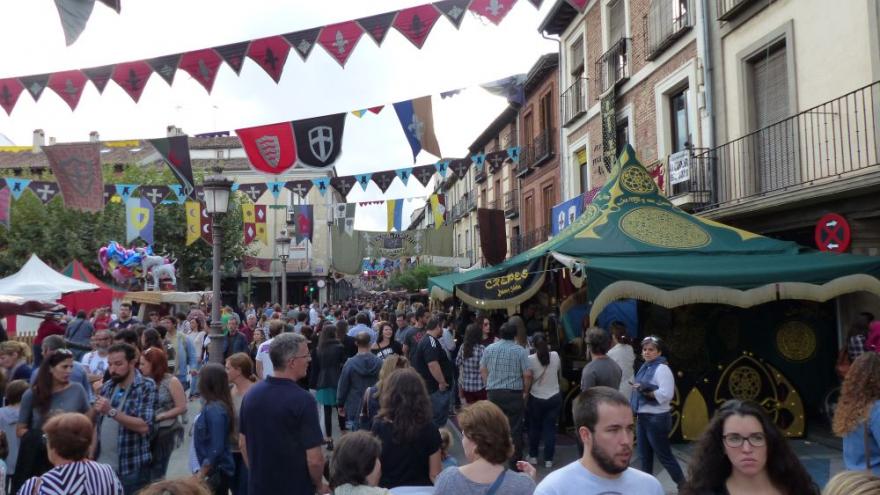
(233,54)
(99,76)
(300,187)
(424,173)
(165,66)
(45,191)
(154,194)
(253,191)
(460,166)
(175,152)
(454,10)
(109,191)
(303,41)
(319,139)
(343,184)
(384,179)
(377,26)
(35,84)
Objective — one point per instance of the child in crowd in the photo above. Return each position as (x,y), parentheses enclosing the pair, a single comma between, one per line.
(446,442)
(8,421)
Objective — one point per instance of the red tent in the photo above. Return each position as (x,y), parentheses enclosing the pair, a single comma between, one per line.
(88,301)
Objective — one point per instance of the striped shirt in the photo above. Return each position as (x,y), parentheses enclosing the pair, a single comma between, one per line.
(76,478)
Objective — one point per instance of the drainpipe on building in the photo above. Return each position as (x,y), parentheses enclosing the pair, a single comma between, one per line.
(708,84)
(562,157)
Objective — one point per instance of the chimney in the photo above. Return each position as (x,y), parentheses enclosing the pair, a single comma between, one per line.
(174,131)
(94,137)
(51,141)
(39,140)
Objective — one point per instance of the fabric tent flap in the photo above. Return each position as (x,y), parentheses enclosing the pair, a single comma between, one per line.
(38,281)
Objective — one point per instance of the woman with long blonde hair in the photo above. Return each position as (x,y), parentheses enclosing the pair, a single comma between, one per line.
(857,417)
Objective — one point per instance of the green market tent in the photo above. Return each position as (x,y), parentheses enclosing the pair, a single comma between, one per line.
(632,242)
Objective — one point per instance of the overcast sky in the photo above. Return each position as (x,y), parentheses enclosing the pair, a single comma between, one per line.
(479,52)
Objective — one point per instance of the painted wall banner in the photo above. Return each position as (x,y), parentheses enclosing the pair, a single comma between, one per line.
(609,129)
(565,213)
(513,282)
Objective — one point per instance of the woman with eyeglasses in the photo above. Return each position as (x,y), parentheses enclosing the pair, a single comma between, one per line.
(652,390)
(743,453)
(52,392)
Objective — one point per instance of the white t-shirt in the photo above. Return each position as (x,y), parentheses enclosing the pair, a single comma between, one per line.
(624,356)
(95,363)
(548,385)
(575,479)
(263,357)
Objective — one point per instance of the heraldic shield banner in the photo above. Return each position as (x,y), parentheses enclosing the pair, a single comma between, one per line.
(271,149)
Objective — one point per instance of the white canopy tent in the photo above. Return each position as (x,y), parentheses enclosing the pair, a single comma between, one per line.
(37,281)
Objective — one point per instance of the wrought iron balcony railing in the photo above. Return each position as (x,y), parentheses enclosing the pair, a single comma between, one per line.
(613,66)
(538,151)
(574,101)
(529,240)
(511,203)
(666,22)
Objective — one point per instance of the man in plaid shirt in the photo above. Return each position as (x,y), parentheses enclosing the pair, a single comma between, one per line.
(125,412)
(505,369)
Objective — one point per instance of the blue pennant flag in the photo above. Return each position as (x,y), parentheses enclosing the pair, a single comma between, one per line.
(442,167)
(180,192)
(403,174)
(417,120)
(17,186)
(125,191)
(363,180)
(479,160)
(513,154)
(275,188)
(235,186)
(322,185)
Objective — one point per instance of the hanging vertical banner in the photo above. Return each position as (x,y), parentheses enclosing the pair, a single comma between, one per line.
(202,65)
(68,85)
(193,221)
(302,222)
(319,139)
(417,119)
(609,129)
(395,214)
(491,224)
(270,54)
(5,211)
(438,209)
(138,220)
(340,39)
(175,152)
(248,223)
(262,233)
(206,224)
(77,168)
(271,149)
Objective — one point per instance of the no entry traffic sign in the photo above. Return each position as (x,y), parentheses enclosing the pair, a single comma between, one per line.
(832,233)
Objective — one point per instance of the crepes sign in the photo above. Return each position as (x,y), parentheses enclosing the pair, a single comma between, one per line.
(512,284)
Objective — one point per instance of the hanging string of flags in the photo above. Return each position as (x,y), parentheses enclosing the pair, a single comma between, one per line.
(75,14)
(338,40)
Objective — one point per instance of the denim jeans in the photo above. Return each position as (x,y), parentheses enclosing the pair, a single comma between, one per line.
(239,481)
(133,482)
(513,406)
(653,438)
(440,401)
(543,414)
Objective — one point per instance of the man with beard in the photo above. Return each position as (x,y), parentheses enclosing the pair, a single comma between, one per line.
(125,413)
(96,360)
(604,422)
(125,320)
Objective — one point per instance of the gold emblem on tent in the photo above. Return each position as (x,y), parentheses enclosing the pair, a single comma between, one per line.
(636,180)
(745,383)
(796,341)
(661,228)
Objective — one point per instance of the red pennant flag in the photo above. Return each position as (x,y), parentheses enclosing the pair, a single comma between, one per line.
(494,10)
(271,54)
(377,26)
(99,76)
(69,85)
(233,54)
(10,90)
(132,77)
(271,149)
(416,23)
(340,39)
(202,65)
(376,110)
(207,224)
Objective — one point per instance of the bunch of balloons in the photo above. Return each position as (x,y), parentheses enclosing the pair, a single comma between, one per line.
(122,263)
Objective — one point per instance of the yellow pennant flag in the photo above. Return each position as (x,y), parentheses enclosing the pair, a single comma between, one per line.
(247,212)
(193,221)
(262,233)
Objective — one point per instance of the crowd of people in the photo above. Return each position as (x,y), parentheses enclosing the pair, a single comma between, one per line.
(99,404)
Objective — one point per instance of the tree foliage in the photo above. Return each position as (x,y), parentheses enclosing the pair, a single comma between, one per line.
(59,235)
(414,278)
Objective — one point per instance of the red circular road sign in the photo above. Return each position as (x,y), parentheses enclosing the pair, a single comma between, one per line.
(832,233)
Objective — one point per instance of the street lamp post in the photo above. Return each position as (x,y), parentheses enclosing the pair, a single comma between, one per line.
(217,189)
(282,243)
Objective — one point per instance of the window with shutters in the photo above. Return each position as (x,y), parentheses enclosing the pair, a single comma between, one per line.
(574,98)
(549,199)
(529,210)
(580,157)
(775,146)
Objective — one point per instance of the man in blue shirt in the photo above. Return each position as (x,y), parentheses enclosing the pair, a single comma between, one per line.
(363,325)
(280,437)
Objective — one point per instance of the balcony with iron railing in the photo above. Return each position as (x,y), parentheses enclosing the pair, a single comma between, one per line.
(470,202)
(834,146)
(528,240)
(574,101)
(457,209)
(480,174)
(666,22)
(728,9)
(490,204)
(511,203)
(613,66)
(536,153)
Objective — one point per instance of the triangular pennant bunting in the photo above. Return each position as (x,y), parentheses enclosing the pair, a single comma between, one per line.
(454,10)
(377,26)
(578,4)
(132,77)
(340,39)
(99,76)
(17,186)
(253,191)
(270,54)
(271,149)
(403,174)
(494,10)
(175,152)
(322,185)
(460,167)
(125,191)
(442,167)
(479,159)
(165,66)
(415,23)
(358,113)
(74,16)
(299,187)
(233,54)
(113,4)
(202,65)
(363,180)
(180,192)
(154,194)
(275,188)
(383,179)
(513,154)
(423,174)
(69,86)
(376,110)
(35,84)
(10,90)
(303,41)
(343,184)
(45,191)
(496,159)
